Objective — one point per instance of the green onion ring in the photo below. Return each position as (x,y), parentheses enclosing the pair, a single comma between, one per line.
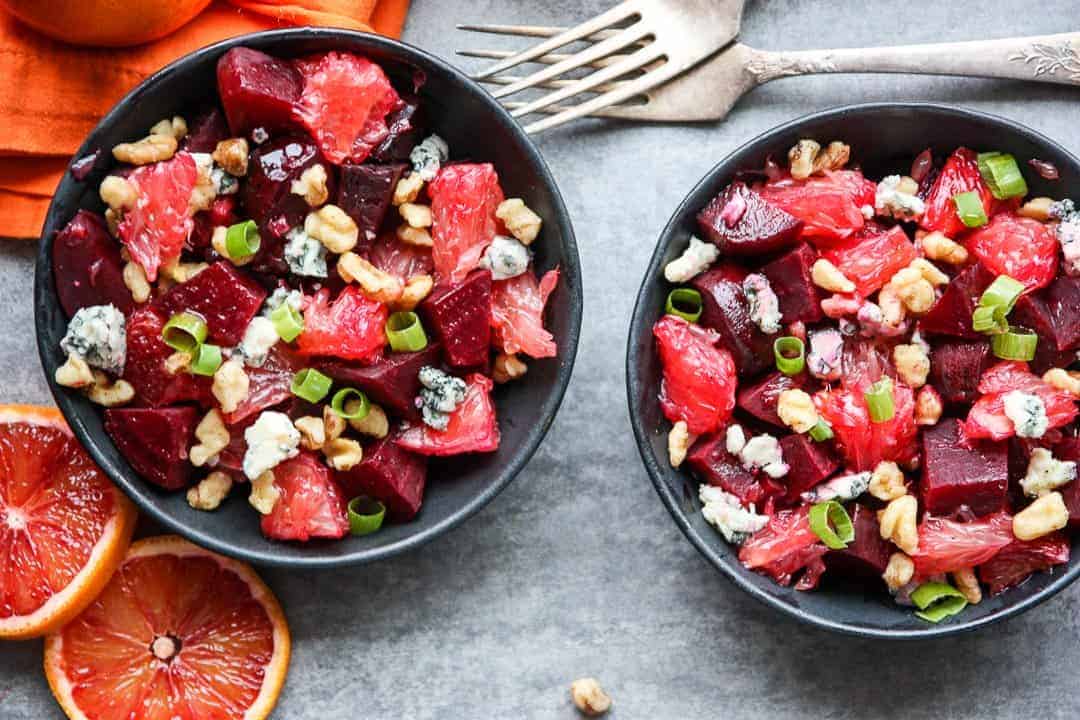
(405,333)
(242,240)
(288,322)
(989,319)
(1003,292)
(184,332)
(206,359)
(790,355)
(1015,344)
(821,432)
(879,400)
(969,208)
(365,515)
(337,404)
(311,385)
(830,522)
(1002,174)
(685,303)
(937,601)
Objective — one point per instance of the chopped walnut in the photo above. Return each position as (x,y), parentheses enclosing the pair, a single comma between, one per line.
(181,272)
(893,311)
(333,227)
(522,222)
(589,697)
(887,482)
(1037,209)
(913,290)
(232,156)
(928,406)
(829,277)
(801,158)
(118,193)
(375,423)
(376,284)
(109,393)
(415,216)
(898,523)
(343,454)
(312,432)
(74,373)
(912,364)
(968,585)
(796,410)
(899,571)
(938,247)
(1045,515)
(230,385)
(418,288)
(177,363)
(175,126)
(205,191)
(135,280)
(929,272)
(508,367)
(678,442)
(834,157)
(1064,380)
(210,492)
(408,188)
(151,149)
(264,493)
(418,237)
(311,185)
(213,437)
(112,221)
(333,424)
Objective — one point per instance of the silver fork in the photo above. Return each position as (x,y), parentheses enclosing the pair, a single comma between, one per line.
(710,90)
(651,40)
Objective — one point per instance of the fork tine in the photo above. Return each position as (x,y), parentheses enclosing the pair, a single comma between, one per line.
(623,112)
(540,31)
(600,22)
(549,59)
(591,54)
(549,85)
(633,62)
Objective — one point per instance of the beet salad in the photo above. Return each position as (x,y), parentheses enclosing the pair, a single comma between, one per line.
(870,377)
(297,290)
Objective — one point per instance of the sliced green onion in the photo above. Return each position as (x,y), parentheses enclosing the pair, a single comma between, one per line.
(184,332)
(242,240)
(937,601)
(311,385)
(685,303)
(989,319)
(342,397)
(821,432)
(879,400)
(1003,292)
(830,522)
(970,209)
(1015,344)
(790,355)
(288,322)
(206,359)
(365,515)
(405,333)
(1002,174)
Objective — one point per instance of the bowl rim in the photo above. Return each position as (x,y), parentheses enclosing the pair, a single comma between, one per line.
(138,489)
(732,571)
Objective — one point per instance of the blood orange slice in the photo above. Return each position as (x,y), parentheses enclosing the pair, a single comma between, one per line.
(63,526)
(179,632)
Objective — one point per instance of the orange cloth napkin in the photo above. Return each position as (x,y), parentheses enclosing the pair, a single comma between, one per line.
(53,94)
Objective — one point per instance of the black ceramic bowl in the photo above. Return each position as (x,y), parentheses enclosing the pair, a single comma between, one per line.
(476,127)
(884,139)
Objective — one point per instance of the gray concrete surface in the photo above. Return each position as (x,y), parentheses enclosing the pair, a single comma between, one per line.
(577,569)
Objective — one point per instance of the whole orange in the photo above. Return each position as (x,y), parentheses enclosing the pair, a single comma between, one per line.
(111,23)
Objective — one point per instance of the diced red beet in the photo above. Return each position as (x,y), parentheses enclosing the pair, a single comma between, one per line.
(760,398)
(473,426)
(222,295)
(365,193)
(870,257)
(726,310)
(867,554)
(390,474)
(1019,559)
(699,382)
(809,463)
(1062,300)
(948,545)
(951,314)
(785,547)
(205,131)
(956,366)
(155,441)
(258,90)
(145,365)
(392,383)
(268,385)
(87,267)
(459,316)
(955,475)
(406,126)
(789,276)
(310,504)
(267,191)
(714,465)
(960,174)
(740,222)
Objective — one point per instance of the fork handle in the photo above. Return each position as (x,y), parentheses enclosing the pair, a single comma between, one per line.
(1042,58)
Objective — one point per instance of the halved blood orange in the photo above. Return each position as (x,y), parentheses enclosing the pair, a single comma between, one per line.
(64,527)
(178,633)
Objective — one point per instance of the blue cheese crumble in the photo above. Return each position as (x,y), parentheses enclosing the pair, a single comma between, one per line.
(841,488)
(259,337)
(764,305)
(279,297)
(761,452)
(723,511)
(695,260)
(1068,233)
(427,157)
(1046,473)
(891,200)
(1027,412)
(506,258)
(826,354)
(439,397)
(304,254)
(98,334)
(271,440)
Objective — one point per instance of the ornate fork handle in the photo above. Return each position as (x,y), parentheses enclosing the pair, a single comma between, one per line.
(1042,58)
